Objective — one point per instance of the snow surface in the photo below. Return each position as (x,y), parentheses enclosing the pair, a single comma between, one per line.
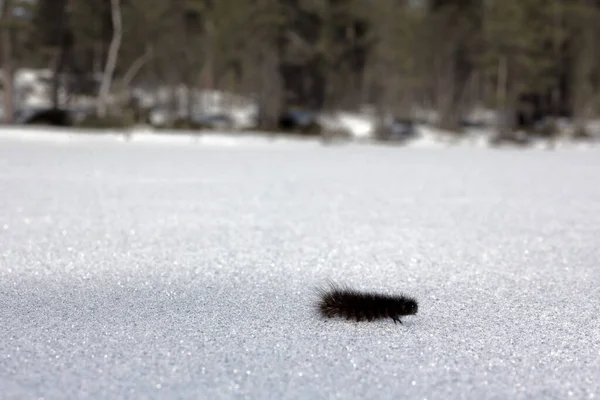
(130,270)
(148,136)
(428,137)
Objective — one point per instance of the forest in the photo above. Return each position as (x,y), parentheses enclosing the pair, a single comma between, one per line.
(525,59)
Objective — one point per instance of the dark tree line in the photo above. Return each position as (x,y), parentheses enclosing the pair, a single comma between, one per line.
(525,58)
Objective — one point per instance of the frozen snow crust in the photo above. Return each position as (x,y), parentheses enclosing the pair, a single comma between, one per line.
(138,270)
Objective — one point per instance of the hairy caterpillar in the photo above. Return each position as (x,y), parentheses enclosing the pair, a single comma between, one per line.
(348,303)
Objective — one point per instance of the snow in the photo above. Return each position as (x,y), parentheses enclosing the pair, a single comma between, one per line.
(145,135)
(427,137)
(359,126)
(130,270)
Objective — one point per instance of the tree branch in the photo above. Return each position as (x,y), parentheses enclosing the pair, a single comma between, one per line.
(111,61)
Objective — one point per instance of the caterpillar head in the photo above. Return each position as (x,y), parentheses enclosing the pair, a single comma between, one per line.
(411,307)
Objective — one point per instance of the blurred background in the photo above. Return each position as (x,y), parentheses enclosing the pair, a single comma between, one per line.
(510,70)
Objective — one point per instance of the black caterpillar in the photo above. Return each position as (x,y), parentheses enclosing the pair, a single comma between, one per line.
(351,304)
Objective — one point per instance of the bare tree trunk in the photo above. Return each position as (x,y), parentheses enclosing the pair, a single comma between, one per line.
(111,61)
(446,91)
(270,90)
(556,95)
(208,70)
(189,84)
(584,88)
(583,91)
(56,71)
(7,61)
(501,98)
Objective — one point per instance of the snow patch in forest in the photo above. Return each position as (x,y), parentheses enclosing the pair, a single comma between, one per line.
(359,128)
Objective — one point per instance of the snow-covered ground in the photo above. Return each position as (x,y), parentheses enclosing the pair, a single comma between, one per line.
(148,136)
(130,270)
(427,137)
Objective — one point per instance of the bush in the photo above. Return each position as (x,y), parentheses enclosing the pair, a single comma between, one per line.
(511,138)
(52,117)
(397,130)
(582,133)
(299,122)
(312,129)
(109,122)
(547,128)
(335,136)
(182,124)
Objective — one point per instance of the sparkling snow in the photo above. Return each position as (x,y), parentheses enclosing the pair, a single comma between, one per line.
(153,270)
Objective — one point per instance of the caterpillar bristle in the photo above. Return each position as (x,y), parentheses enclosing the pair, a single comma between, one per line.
(351,304)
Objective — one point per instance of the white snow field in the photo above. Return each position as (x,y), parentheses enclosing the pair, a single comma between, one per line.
(152,270)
